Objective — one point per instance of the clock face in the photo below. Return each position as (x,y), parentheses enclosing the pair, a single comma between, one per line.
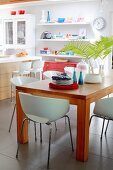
(99,23)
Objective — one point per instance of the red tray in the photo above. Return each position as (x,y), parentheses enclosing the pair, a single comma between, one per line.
(64,87)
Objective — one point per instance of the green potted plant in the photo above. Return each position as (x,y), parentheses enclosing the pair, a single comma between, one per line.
(91,50)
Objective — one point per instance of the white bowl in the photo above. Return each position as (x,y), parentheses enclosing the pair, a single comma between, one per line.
(93,78)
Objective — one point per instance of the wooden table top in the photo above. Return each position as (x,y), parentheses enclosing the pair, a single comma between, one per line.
(85,91)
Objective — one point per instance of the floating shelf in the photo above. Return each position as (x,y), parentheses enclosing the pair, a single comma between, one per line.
(59,56)
(63,40)
(65,23)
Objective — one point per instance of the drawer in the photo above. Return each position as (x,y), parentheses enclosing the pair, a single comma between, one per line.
(8,67)
(5,93)
(5,80)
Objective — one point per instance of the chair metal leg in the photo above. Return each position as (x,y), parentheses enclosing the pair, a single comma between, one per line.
(102,128)
(11,94)
(49,147)
(40,133)
(35,131)
(70,132)
(65,121)
(12,117)
(106,127)
(11,90)
(91,119)
(41,75)
(20,136)
(55,126)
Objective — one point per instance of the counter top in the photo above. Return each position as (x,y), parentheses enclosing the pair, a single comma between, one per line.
(12,59)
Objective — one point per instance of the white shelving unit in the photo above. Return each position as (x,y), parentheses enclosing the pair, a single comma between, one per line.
(54,27)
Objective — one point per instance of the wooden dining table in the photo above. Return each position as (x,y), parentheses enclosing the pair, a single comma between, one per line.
(81,97)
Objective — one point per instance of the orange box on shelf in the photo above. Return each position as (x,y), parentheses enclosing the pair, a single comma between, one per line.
(13,12)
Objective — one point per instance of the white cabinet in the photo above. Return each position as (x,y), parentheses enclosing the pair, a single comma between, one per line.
(1,35)
(19,32)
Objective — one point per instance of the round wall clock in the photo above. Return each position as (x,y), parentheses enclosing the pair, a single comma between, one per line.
(99,23)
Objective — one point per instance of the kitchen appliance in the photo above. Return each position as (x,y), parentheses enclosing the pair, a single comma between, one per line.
(46,35)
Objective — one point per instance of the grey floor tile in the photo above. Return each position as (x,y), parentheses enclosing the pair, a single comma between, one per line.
(33,156)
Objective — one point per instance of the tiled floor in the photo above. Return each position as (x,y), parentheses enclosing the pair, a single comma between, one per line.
(33,156)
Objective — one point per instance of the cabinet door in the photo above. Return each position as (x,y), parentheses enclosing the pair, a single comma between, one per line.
(1,33)
(9,32)
(21,32)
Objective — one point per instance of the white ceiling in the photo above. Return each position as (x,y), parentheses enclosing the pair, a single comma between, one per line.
(42,2)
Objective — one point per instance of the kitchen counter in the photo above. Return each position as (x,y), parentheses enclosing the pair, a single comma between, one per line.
(13,59)
(7,66)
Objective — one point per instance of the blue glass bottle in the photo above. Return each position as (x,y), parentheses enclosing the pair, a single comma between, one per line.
(74,76)
(48,16)
(80,81)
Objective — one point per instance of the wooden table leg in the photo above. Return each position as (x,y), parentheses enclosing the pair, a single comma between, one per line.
(20,117)
(82,142)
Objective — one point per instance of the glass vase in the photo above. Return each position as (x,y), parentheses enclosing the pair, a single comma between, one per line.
(101,70)
(80,80)
(74,77)
(48,16)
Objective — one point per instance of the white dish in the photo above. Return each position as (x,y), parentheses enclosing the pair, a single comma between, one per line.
(93,78)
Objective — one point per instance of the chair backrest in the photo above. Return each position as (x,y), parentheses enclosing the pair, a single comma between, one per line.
(49,74)
(25,66)
(69,71)
(104,107)
(37,64)
(21,80)
(49,108)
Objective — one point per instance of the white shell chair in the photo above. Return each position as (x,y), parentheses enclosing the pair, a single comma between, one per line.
(69,70)
(43,110)
(18,81)
(48,75)
(24,70)
(37,67)
(103,109)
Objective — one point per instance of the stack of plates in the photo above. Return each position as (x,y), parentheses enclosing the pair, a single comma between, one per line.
(62,82)
(62,79)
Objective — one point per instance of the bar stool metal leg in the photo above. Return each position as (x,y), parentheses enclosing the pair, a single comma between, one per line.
(12,118)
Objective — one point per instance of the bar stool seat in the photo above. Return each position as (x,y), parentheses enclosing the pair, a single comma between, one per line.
(37,67)
(24,69)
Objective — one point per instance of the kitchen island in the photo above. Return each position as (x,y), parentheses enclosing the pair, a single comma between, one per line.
(7,65)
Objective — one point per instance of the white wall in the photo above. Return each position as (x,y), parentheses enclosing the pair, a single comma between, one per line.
(89,10)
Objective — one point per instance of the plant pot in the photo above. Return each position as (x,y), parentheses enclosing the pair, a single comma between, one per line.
(93,78)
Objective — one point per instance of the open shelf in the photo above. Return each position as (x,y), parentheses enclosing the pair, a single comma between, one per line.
(58,56)
(63,40)
(65,23)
